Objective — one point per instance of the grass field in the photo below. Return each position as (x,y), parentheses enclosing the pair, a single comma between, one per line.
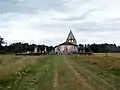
(73,72)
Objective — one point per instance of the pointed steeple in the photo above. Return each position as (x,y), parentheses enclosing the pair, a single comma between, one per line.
(71,38)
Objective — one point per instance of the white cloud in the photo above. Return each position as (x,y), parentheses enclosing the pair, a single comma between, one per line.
(47,22)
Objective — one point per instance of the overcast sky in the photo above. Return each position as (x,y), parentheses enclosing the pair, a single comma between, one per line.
(49,21)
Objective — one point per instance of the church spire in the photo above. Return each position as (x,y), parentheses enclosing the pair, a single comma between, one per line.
(71,38)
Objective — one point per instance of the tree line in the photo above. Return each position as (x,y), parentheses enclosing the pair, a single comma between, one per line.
(100,48)
(24,47)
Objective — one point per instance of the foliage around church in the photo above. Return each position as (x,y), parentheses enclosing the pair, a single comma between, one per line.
(24,47)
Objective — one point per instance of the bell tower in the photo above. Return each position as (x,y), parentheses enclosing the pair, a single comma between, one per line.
(71,38)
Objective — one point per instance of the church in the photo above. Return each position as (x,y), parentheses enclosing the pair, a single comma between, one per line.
(68,47)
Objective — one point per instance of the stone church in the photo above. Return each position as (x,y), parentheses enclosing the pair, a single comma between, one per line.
(69,46)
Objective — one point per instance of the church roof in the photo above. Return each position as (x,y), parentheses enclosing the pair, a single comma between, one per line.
(70,36)
(70,40)
(66,43)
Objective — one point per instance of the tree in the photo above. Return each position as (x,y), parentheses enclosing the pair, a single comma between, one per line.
(80,47)
(1,41)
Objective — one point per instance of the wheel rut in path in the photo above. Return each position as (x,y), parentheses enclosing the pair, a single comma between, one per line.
(80,77)
(55,81)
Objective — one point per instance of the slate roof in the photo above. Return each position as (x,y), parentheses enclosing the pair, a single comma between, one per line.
(66,43)
(70,37)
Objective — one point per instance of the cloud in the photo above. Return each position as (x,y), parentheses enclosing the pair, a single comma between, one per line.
(29,6)
(48,22)
(76,17)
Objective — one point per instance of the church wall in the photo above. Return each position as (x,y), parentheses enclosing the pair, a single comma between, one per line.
(62,48)
(66,48)
(70,48)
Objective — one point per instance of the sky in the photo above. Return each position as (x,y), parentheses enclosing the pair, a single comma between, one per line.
(49,21)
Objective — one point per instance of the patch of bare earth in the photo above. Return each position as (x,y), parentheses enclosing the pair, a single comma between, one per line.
(80,78)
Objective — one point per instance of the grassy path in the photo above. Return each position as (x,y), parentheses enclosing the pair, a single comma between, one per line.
(40,79)
(55,81)
(84,84)
(63,73)
(66,78)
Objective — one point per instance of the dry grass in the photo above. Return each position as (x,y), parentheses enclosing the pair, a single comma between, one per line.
(116,55)
(99,59)
(100,70)
(53,73)
(11,64)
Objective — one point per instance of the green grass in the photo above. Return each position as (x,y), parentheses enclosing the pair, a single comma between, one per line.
(67,80)
(98,71)
(73,72)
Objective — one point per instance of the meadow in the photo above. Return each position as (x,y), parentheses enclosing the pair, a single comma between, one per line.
(60,72)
